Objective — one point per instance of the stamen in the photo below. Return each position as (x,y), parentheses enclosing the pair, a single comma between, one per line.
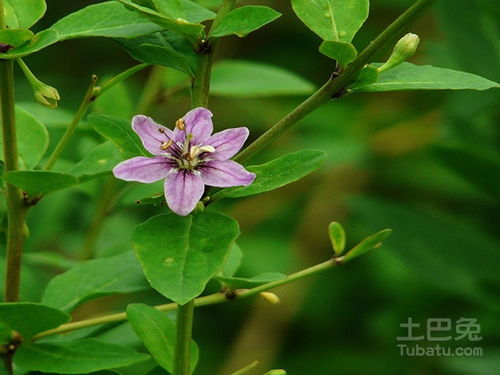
(161,130)
(207,148)
(179,124)
(166,145)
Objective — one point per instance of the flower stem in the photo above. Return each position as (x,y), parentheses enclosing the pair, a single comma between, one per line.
(335,86)
(16,208)
(183,339)
(212,299)
(200,91)
(200,87)
(121,77)
(84,106)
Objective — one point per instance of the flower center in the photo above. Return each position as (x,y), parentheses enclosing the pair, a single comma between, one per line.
(185,155)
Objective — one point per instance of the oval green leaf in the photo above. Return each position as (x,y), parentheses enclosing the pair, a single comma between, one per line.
(279,172)
(369,243)
(99,161)
(29,318)
(22,13)
(37,182)
(337,236)
(158,333)
(230,78)
(177,24)
(336,20)
(95,278)
(242,21)
(408,76)
(342,52)
(180,254)
(32,138)
(75,357)
(15,37)
(120,133)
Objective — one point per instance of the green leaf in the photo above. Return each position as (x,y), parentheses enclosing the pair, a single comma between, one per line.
(230,78)
(93,20)
(233,261)
(29,318)
(196,13)
(242,21)
(426,77)
(37,182)
(95,278)
(99,161)
(120,133)
(337,237)
(158,333)
(22,13)
(15,37)
(107,19)
(250,282)
(333,20)
(170,8)
(187,9)
(32,138)
(180,254)
(369,243)
(75,357)
(177,24)
(50,259)
(40,41)
(476,166)
(342,52)
(279,172)
(165,48)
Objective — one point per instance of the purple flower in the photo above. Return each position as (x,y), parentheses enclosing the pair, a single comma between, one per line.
(188,158)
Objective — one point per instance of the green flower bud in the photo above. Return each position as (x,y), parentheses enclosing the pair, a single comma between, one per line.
(47,95)
(404,49)
(44,94)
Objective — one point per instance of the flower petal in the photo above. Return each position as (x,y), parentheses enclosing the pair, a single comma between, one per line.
(198,122)
(152,135)
(225,173)
(143,169)
(183,190)
(227,143)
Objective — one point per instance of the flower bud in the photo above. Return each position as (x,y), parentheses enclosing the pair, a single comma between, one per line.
(270,297)
(44,94)
(404,49)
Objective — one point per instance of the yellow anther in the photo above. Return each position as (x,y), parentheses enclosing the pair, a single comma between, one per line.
(166,145)
(179,124)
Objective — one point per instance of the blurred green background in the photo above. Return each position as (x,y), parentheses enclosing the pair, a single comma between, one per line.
(425,164)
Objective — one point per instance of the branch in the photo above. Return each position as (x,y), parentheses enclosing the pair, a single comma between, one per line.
(212,299)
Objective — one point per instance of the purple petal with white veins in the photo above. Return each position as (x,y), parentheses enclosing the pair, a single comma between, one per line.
(198,122)
(152,135)
(143,169)
(227,143)
(183,190)
(225,173)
